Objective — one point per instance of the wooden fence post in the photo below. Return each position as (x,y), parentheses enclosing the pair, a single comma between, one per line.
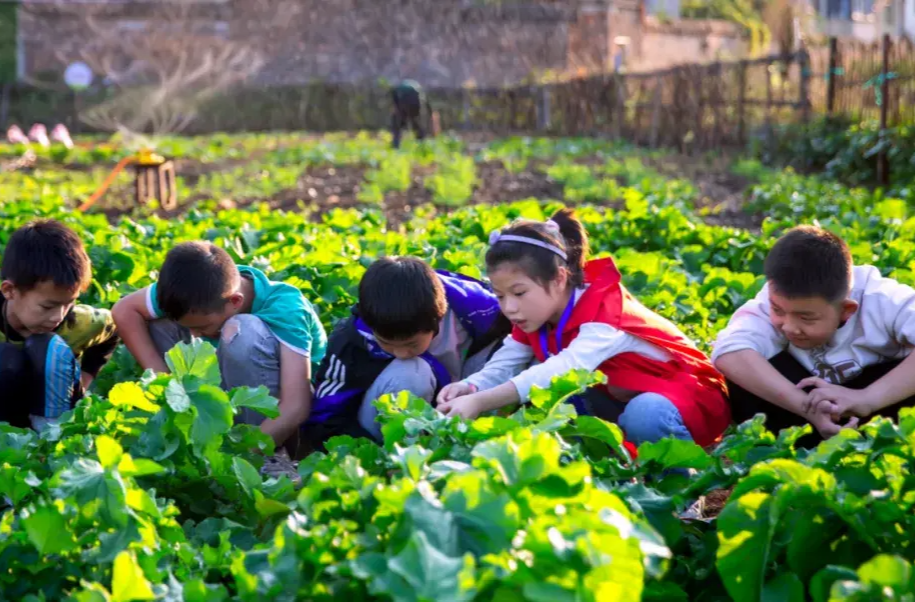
(883,168)
(656,111)
(543,109)
(741,103)
(804,66)
(831,76)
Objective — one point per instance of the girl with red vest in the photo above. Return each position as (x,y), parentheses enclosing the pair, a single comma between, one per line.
(568,313)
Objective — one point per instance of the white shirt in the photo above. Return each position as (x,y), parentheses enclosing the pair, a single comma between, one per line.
(595,344)
(882,329)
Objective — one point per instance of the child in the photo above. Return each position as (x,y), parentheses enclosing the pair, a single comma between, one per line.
(408,99)
(414,329)
(265,332)
(571,314)
(50,348)
(820,322)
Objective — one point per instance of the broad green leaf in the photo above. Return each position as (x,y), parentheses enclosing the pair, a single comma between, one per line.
(674,453)
(432,574)
(247,475)
(176,397)
(129,467)
(87,482)
(128,582)
(888,571)
(266,507)
(132,396)
(258,399)
(213,417)
(412,460)
(48,531)
(822,582)
(745,528)
(109,451)
(197,360)
(786,587)
(13,485)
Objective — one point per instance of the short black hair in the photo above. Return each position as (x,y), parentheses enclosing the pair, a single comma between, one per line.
(196,277)
(810,262)
(46,250)
(400,297)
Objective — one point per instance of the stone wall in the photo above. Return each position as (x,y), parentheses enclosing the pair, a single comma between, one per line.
(440,43)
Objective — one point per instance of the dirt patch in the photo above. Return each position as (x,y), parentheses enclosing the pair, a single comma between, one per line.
(715,501)
(722,194)
(498,185)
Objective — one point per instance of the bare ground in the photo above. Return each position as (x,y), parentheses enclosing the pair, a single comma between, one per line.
(720,202)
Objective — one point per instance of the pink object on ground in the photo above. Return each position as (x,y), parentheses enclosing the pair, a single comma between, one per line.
(61,134)
(39,134)
(15,135)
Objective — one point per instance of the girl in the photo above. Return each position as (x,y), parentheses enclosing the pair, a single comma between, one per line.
(569,314)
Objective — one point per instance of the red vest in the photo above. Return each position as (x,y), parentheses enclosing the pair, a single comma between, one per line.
(688,380)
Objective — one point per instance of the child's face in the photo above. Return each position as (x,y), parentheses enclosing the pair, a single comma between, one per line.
(527,303)
(207,325)
(808,322)
(39,310)
(407,349)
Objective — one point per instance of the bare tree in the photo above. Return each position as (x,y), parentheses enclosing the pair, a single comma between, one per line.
(160,62)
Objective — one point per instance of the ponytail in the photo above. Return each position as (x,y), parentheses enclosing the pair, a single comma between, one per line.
(576,243)
(540,261)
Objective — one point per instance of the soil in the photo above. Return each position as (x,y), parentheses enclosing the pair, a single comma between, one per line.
(715,501)
(722,195)
(322,188)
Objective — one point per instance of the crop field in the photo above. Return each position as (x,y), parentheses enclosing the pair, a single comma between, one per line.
(147,491)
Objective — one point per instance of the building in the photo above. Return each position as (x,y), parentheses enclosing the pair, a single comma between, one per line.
(865,20)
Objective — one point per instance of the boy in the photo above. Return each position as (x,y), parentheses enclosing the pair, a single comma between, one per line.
(50,348)
(409,99)
(824,342)
(265,332)
(414,329)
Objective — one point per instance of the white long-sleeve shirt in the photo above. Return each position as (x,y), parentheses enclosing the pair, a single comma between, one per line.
(882,329)
(595,344)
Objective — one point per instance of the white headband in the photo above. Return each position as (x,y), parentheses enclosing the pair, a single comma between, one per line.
(551,226)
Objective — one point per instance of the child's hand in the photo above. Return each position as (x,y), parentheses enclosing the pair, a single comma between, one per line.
(453,391)
(829,425)
(827,398)
(467,406)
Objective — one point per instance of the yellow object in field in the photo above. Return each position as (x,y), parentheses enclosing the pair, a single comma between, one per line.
(147,157)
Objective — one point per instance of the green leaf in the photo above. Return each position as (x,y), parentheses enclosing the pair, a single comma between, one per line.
(258,399)
(266,507)
(786,587)
(13,485)
(412,460)
(130,395)
(564,386)
(745,528)
(213,417)
(888,571)
(48,531)
(674,453)
(86,481)
(432,574)
(128,581)
(247,475)
(109,451)
(822,582)
(176,397)
(197,360)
